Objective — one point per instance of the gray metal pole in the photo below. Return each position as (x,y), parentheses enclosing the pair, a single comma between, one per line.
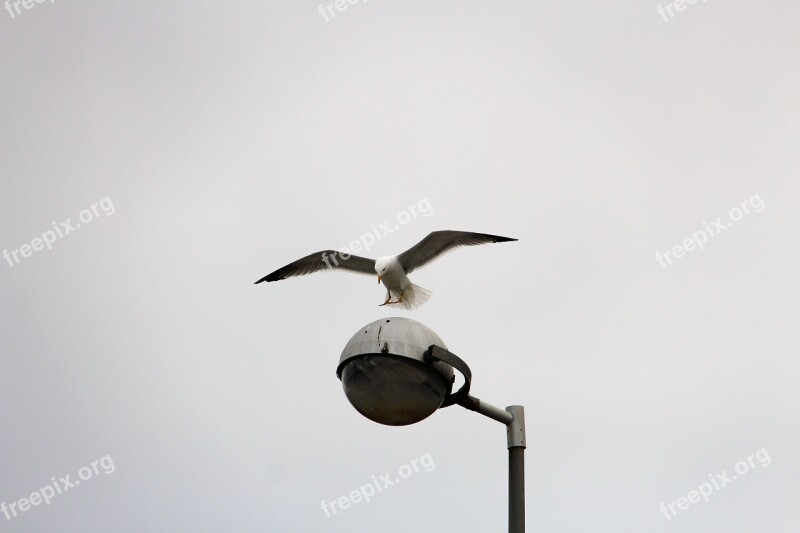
(516,490)
(516,470)
(514,419)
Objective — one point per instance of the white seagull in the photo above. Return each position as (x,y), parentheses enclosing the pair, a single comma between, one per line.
(392,270)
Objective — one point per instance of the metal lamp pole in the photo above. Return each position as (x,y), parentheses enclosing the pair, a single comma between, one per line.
(396,371)
(514,419)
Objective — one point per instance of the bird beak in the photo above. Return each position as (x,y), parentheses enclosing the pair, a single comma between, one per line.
(379,279)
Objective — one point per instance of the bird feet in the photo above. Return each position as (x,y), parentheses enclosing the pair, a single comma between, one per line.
(390,302)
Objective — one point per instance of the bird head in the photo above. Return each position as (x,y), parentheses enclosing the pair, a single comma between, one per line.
(381,266)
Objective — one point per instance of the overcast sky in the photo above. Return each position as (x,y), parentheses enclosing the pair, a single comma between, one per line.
(159,157)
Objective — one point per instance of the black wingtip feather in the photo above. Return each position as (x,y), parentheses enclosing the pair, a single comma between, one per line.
(268,279)
(498,238)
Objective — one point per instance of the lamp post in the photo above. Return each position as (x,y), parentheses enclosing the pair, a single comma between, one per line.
(396,371)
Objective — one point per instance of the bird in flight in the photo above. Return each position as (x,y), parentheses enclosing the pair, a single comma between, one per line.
(392,270)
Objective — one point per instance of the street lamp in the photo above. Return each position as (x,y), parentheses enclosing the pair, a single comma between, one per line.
(396,371)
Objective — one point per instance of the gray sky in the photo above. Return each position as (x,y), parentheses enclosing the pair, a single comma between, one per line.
(202,145)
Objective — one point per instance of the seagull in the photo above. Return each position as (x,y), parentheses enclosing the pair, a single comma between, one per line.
(392,270)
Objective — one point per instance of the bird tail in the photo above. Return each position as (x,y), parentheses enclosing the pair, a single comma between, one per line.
(414,296)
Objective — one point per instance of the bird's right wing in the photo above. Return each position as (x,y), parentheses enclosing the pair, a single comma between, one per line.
(324,260)
(440,242)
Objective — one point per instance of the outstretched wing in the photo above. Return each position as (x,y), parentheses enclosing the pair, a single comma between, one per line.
(324,260)
(440,242)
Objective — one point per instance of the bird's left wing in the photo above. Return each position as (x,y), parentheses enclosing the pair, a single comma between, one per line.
(324,260)
(440,242)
